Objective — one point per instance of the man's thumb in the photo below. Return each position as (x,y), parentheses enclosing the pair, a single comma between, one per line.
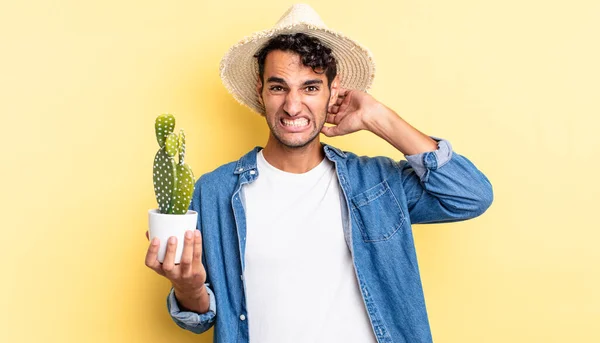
(330,131)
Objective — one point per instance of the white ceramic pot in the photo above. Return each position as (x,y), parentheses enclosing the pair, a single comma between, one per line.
(164,226)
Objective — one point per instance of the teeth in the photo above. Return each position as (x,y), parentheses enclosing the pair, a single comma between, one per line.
(296,122)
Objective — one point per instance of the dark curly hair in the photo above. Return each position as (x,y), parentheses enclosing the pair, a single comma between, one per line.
(312,53)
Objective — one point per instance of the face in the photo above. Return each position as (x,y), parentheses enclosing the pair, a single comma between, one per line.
(295,98)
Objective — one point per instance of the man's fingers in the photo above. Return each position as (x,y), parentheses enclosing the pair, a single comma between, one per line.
(147,236)
(169,263)
(343,92)
(334,109)
(342,107)
(330,131)
(331,118)
(197,266)
(187,255)
(151,257)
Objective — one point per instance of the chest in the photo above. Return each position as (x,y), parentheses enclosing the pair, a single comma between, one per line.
(285,220)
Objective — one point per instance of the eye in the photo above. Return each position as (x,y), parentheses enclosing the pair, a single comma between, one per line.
(312,89)
(276,88)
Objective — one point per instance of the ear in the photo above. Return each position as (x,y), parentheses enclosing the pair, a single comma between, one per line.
(259,89)
(335,89)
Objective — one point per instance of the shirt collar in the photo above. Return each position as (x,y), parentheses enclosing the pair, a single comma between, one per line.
(248,161)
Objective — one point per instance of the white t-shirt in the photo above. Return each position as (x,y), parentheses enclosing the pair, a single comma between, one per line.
(300,280)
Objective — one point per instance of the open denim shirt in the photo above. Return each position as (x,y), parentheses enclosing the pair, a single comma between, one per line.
(382,198)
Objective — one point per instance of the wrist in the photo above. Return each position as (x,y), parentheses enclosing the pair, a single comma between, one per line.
(379,118)
(196,300)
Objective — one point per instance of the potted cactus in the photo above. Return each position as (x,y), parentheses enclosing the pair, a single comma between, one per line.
(173,187)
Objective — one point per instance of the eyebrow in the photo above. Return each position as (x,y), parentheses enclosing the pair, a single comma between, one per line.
(312,82)
(275,79)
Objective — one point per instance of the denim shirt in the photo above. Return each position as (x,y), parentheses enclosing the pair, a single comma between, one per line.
(381,198)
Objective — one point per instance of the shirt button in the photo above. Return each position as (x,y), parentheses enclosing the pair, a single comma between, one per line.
(242,277)
(252,172)
(242,317)
(241,169)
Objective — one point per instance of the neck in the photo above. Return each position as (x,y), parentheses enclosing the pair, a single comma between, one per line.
(293,160)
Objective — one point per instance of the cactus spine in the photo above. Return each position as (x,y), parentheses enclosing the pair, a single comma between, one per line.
(173,181)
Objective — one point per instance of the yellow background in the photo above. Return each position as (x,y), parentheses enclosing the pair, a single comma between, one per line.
(513,84)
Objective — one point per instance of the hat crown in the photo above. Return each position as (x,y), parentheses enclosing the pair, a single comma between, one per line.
(300,14)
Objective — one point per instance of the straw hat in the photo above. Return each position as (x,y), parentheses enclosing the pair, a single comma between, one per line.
(239,67)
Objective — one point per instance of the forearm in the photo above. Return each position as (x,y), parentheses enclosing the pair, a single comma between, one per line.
(197,301)
(388,125)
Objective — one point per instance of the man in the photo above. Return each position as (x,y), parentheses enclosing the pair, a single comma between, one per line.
(303,242)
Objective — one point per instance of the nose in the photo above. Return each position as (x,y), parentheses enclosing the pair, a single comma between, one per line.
(293,103)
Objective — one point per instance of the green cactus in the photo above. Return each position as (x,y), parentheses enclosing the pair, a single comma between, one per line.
(173,182)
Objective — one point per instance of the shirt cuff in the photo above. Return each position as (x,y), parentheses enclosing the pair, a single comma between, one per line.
(188,318)
(430,160)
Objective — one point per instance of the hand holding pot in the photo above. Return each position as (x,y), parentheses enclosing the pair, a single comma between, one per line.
(189,276)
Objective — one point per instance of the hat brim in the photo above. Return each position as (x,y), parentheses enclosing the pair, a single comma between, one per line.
(239,67)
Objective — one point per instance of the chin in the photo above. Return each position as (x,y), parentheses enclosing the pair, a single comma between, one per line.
(296,143)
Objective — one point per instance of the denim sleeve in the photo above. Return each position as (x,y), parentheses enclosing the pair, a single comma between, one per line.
(192,321)
(443,186)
